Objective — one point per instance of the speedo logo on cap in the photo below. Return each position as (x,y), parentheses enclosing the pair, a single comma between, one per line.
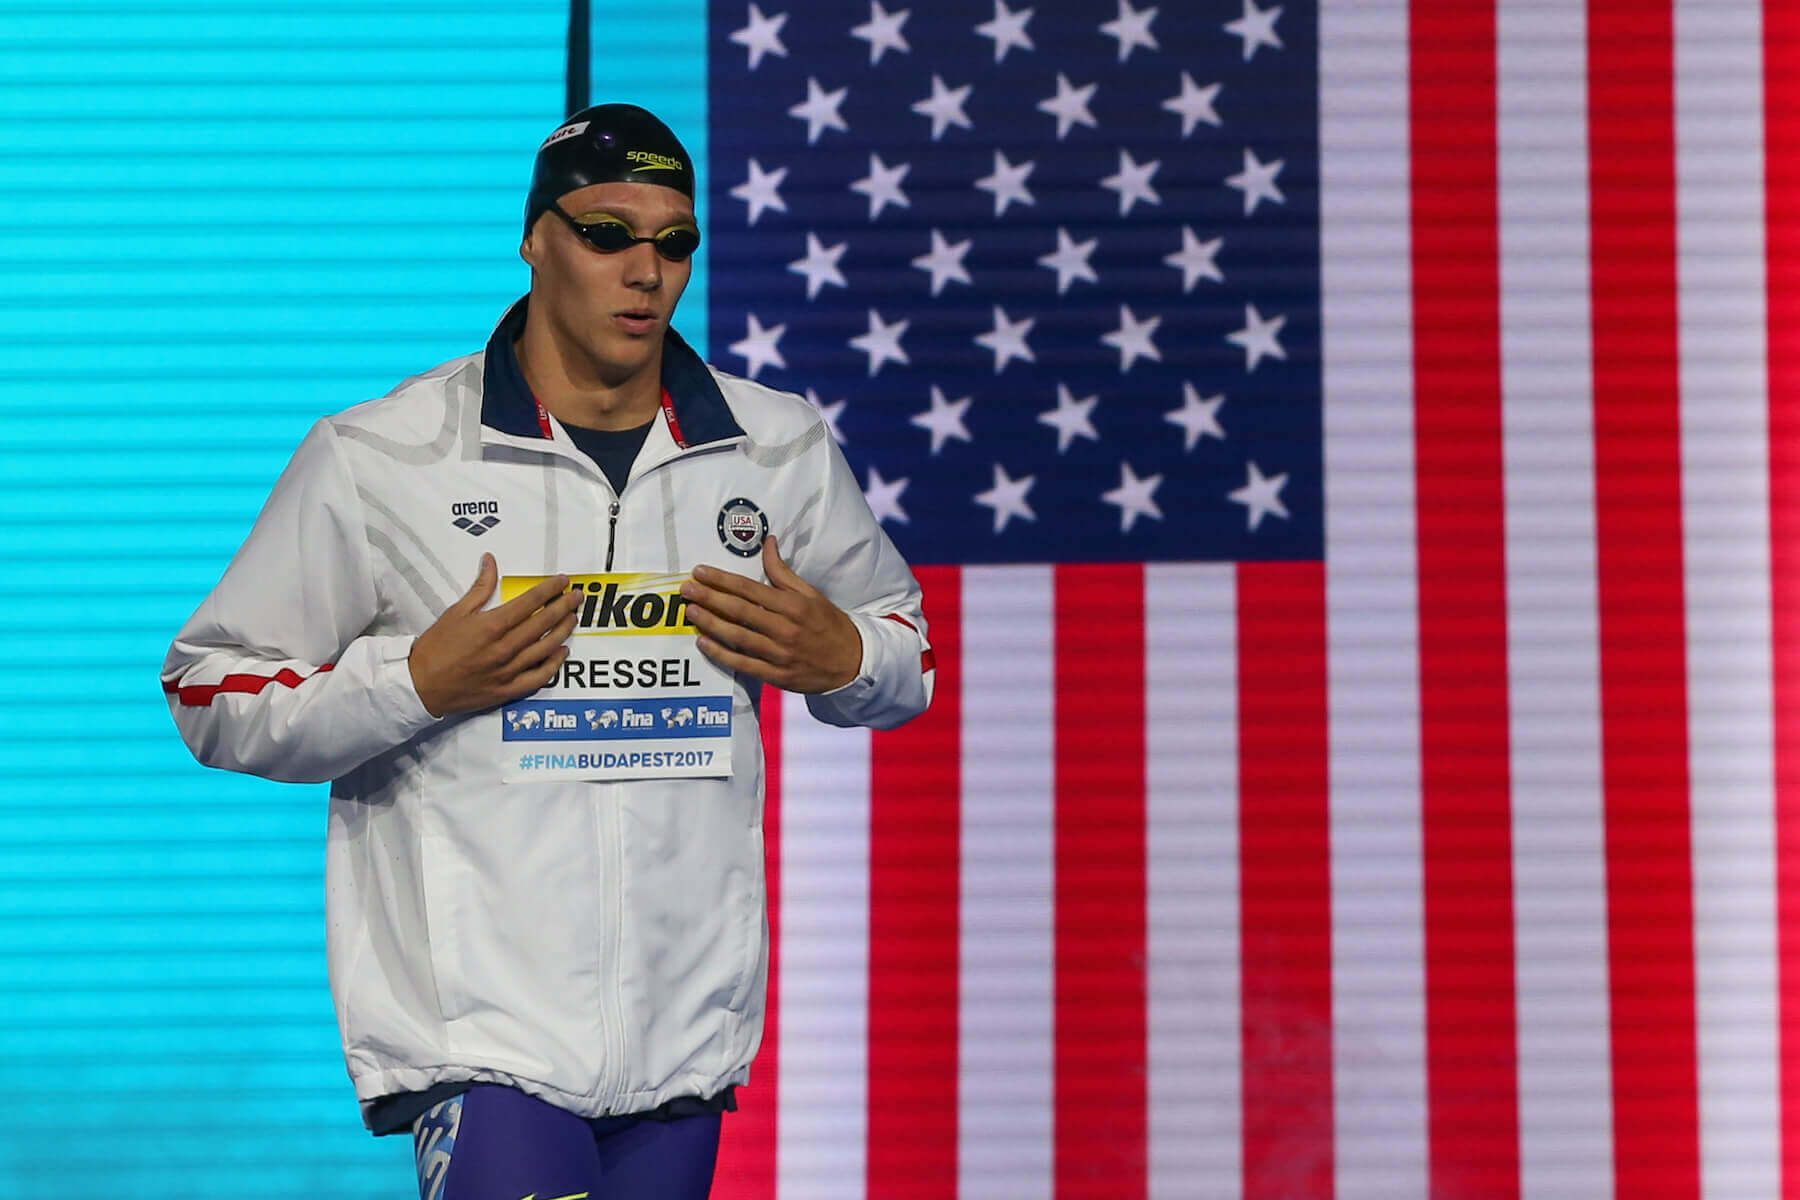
(567,131)
(650,161)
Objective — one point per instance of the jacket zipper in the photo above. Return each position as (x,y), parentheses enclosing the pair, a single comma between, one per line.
(612,1003)
(612,527)
(612,1014)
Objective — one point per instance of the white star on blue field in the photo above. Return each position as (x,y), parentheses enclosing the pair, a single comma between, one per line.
(1050,272)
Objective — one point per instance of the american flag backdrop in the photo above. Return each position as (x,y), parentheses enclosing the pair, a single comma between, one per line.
(1349,453)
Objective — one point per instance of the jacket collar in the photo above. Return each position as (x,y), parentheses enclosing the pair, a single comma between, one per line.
(696,409)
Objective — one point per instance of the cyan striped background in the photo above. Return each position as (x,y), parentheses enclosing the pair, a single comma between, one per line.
(219,221)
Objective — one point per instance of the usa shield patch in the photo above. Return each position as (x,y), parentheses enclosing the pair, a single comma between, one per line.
(742,527)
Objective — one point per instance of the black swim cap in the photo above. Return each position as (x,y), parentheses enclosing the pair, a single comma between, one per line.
(608,143)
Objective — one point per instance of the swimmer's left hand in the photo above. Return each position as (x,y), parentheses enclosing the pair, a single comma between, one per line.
(783,632)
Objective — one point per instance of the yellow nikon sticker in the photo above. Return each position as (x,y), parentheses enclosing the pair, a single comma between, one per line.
(619,604)
(650,161)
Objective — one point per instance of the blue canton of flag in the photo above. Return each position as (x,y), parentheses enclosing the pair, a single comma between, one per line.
(1052,273)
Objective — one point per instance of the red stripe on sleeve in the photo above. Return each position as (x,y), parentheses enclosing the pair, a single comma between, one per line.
(201,694)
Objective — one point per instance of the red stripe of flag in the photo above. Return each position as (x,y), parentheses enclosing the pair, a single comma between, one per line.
(915,819)
(747,1141)
(1285,882)
(1781,142)
(200,695)
(1466,834)
(1643,688)
(1101,1084)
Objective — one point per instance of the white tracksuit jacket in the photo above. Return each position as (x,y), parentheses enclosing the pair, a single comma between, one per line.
(603,946)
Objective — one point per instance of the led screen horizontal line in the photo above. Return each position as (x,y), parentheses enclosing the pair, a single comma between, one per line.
(176,308)
(15,144)
(181,247)
(46,527)
(225,337)
(222,209)
(148,1058)
(244,1096)
(194,374)
(145,200)
(208,555)
(216,902)
(261,810)
(74,1033)
(231,8)
(153,267)
(26,772)
(167,860)
(135,828)
(147,991)
(222,1004)
(391,43)
(462,61)
(178,586)
(69,932)
(176,359)
(194,928)
(293,101)
(268,439)
(430,71)
(149,26)
(81,833)
(374,26)
(269,882)
(26,747)
(31,471)
(278,955)
(171,542)
(19,736)
(148,1139)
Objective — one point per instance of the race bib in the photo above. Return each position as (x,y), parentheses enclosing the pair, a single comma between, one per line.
(635,699)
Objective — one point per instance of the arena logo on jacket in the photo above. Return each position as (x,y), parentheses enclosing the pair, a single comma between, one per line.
(635,699)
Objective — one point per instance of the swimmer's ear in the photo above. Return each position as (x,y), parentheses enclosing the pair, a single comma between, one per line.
(531,249)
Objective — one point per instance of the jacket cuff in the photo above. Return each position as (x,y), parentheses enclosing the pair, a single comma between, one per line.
(849,694)
(395,693)
(888,689)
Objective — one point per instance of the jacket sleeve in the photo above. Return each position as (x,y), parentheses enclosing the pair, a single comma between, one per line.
(273,674)
(842,550)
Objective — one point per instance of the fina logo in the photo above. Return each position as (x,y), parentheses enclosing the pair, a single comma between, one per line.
(475,517)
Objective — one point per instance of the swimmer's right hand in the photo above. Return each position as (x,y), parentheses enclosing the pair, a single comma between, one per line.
(470,660)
